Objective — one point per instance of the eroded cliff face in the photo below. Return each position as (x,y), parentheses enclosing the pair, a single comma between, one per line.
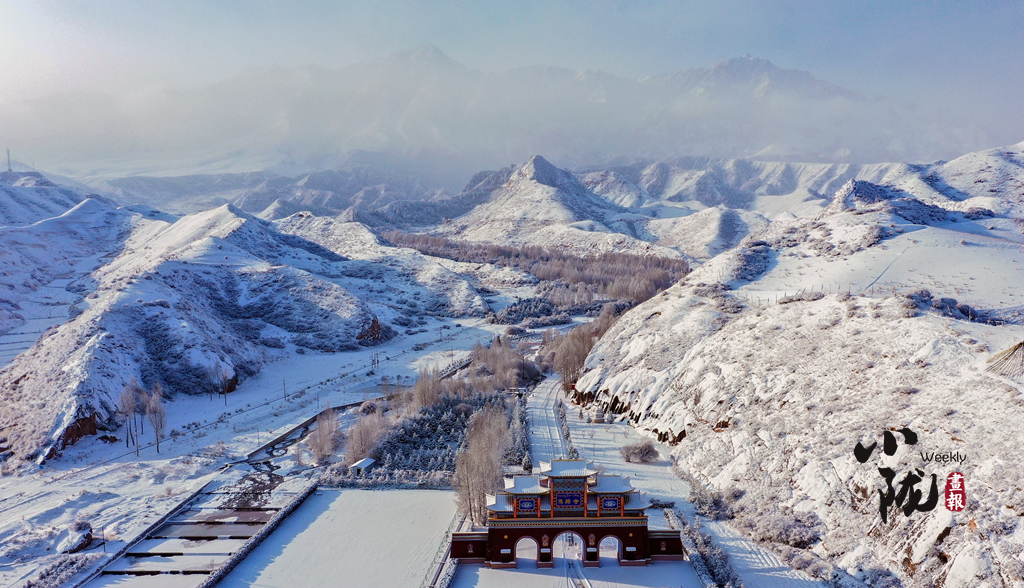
(764,394)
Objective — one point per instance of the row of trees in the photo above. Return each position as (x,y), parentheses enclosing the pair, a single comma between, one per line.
(324,438)
(478,468)
(567,353)
(136,405)
(612,275)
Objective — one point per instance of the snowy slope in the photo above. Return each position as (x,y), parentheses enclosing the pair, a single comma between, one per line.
(776,358)
(544,206)
(201,304)
(445,291)
(28,197)
(707,233)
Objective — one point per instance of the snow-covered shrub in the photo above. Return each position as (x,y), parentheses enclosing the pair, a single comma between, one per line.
(521,310)
(796,529)
(801,296)
(708,556)
(58,573)
(706,501)
(752,260)
(248,329)
(273,342)
(639,452)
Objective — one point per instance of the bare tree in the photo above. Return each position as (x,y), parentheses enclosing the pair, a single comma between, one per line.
(323,440)
(137,402)
(156,413)
(478,470)
(216,377)
(126,406)
(363,436)
(568,353)
(618,275)
(427,389)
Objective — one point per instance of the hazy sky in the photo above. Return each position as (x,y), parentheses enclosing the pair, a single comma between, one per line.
(879,47)
(963,58)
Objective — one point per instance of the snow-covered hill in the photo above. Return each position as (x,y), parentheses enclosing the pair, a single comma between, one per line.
(28,197)
(197,304)
(182,194)
(438,290)
(770,362)
(544,206)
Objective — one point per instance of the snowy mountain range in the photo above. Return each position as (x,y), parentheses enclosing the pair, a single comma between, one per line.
(830,302)
(197,303)
(446,121)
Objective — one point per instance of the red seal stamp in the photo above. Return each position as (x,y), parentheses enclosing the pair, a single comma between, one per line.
(956,496)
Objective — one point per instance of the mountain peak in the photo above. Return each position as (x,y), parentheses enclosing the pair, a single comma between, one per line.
(743,68)
(542,171)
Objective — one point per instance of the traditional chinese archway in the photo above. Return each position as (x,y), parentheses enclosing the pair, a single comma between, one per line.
(586,503)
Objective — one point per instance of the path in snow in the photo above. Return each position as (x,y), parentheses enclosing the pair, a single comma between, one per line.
(546,442)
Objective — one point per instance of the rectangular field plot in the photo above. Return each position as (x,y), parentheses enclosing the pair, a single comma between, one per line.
(353,538)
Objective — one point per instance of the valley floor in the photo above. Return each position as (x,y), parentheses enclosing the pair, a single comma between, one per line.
(120,494)
(601,443)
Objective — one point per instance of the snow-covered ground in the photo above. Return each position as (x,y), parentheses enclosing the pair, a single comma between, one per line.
(112,488)
(368,538)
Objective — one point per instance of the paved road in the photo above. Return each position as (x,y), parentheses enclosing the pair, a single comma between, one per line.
(546,442)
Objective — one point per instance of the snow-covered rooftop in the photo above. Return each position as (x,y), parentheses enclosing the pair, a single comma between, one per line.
(363,463)
(612,484)
(567,468)
(524,485)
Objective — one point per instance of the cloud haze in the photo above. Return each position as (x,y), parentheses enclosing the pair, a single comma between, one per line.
(105,88)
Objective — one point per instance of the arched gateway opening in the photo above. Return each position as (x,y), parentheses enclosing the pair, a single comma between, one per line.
(527,552)
(610,551)
(568,546)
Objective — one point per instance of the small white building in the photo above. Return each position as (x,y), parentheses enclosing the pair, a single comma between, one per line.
(362,466)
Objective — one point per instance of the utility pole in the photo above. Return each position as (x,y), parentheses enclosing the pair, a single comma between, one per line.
(9,161)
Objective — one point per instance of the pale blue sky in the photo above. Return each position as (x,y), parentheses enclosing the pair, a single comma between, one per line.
(871,46)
